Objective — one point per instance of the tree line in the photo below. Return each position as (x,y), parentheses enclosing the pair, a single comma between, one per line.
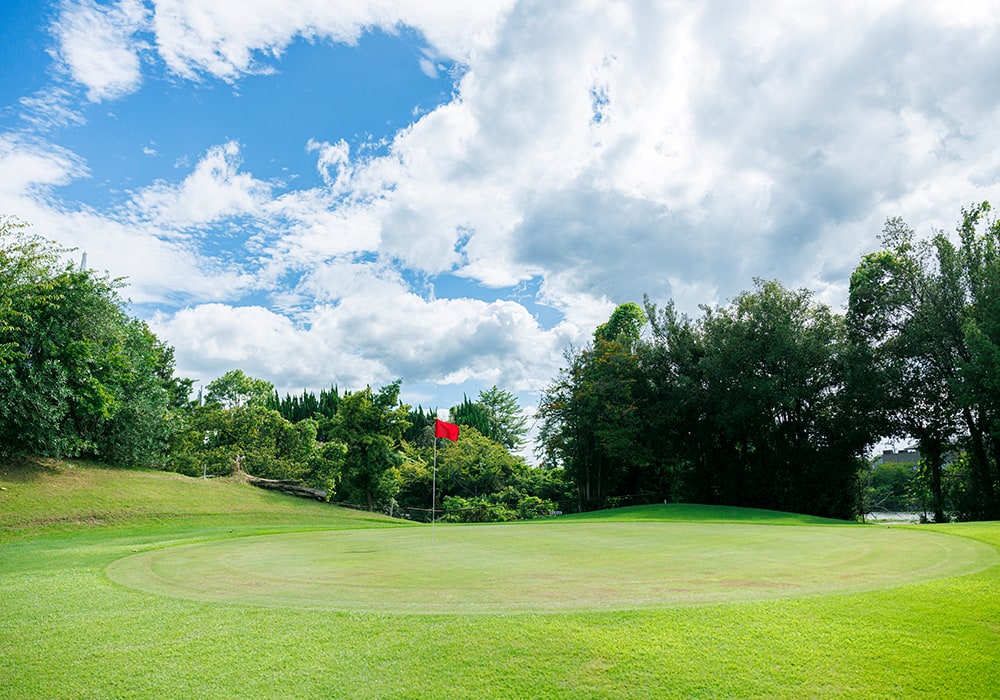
(369,449)
(773,399)
(80,377)
(770,400)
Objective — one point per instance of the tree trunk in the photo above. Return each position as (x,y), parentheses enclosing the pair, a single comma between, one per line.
(291,488)
(934,456)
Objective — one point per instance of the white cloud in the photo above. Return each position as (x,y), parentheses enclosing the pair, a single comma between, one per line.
(32,167)
(625,148)
(216,189)
(158,264)
(378,333)
(98,46)
(606,149)
(50,108)
(229,38)
(333,163)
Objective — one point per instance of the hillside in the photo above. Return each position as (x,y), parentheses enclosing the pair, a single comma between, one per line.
(53,494)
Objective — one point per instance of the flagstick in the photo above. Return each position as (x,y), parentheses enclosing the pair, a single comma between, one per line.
(434,486)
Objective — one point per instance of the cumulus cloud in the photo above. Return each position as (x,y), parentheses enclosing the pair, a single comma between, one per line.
(229,38)
(373,337)
(98,46)
(600,150)
(216,189)
(645,148)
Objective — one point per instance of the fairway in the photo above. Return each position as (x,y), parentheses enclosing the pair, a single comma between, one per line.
(548,567)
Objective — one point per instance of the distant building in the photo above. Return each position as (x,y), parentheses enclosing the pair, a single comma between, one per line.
(907,455)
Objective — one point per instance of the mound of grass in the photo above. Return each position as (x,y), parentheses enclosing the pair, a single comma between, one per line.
(68,631)
(62,496)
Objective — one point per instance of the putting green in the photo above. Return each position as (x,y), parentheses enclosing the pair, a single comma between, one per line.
(548,567)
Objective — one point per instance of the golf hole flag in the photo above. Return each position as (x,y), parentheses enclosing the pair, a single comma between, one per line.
(448,431)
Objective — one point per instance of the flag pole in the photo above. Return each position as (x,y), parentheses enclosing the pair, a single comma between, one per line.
(449,431)
(434,486)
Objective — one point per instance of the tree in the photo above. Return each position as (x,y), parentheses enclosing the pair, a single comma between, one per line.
(753,405)
(472,415)
(421,430)
(503,416)
(625,324)
(474,466)
(78,376)
(780,430)
(590,423)
(258,441)
(249,435)
(371,425)
(906,308)
(673,397)
(479,480)
(978,383)
(234,389)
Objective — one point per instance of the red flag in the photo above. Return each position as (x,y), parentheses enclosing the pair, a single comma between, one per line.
(448,431)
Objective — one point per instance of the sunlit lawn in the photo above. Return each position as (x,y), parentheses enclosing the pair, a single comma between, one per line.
(67,630)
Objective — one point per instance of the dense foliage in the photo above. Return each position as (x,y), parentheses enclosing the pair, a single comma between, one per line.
(748,405)
(927,314)
(368,449)
(78,375)
(773,399)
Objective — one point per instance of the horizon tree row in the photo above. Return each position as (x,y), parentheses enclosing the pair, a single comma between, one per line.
(368,449)
(749,405)
(773,399)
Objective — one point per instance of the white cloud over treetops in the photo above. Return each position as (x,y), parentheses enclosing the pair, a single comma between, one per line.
(603,149)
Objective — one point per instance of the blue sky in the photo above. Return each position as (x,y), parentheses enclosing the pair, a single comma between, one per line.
(322,192)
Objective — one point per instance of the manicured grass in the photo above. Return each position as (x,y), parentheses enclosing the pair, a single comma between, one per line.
(572,566)
(68,631)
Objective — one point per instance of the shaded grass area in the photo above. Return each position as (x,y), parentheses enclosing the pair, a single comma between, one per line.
(691,512)
(67,631)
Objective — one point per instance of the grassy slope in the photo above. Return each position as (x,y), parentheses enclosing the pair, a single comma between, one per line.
(66,631)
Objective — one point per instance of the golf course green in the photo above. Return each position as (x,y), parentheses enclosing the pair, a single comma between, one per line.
(140,584)
(576,566)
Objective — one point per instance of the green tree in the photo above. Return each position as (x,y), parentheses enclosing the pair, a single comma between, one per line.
(590,423)
(781,434)
(978,382)
(258,441)
(906,308)
(753,404)
(503,416)
(235,389)
(674,399)
(78,376)
(421,430)
(479,480)
(474,465)
(371,426)
(472,415)
(624,326)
